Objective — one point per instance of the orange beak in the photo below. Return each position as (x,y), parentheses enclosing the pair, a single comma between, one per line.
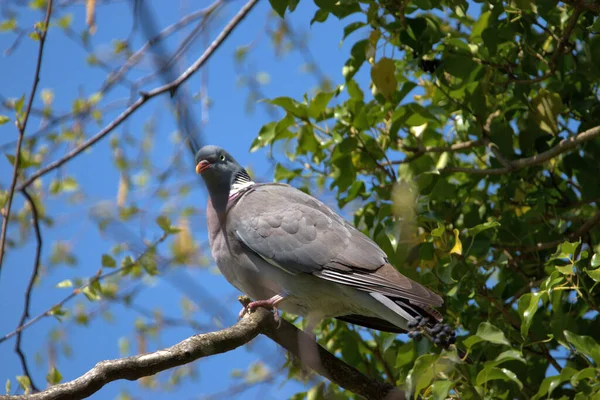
(202,166)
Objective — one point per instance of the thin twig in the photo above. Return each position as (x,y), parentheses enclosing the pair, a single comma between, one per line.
(21,127)
(166,32)
(419,151)
(144,97)
(32,279)
(77,291)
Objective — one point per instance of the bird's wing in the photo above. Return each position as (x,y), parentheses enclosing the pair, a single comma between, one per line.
(299,234)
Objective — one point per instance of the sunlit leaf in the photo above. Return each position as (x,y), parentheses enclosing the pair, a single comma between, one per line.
(488,333)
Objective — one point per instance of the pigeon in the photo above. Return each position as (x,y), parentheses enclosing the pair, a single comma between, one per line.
(289,251)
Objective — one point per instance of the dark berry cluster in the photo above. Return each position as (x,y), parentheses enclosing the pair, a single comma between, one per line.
(441,334)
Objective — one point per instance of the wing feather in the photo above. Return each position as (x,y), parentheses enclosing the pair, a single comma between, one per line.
(299,234)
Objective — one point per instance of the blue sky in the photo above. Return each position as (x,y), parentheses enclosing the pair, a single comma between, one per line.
(65,71)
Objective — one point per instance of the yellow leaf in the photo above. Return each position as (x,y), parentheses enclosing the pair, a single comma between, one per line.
(457,249)
(123,191)
(90,15)
(374,37)
(520,211)
(183,246)
(428,264)
(547,107)
(382,75)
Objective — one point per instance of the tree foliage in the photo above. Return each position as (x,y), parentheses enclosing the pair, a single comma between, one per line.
(461,136)
(456,160)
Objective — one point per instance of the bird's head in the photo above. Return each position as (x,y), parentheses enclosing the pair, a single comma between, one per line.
(218,168)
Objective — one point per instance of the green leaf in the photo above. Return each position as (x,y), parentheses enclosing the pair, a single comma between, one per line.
(319,103)
(165,224)
(594,274)
(69,184)
(8,25)
(476,230)
(25,383)
(290,105)
(480,26)
(65,21)
(552,382)
(282,173)
(4,119)
(320,16)
(54,377)
(586,373)
(595,260)
(489,374)
(422,373)
(90,294)
(406,354)
(19,104)
(585,345)
(527,306)
(7,386)
(508,355)
(265,136)
(440,389)
(487,332)
(348,29)
(108,261)
(64,284)
(547,107)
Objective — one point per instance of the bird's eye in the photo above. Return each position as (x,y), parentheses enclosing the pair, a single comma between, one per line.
(222,157)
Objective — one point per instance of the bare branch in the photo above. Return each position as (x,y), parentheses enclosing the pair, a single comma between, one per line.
(166,32)
(144,97)
(204,345)
(22,126)
(419,151)
(563,147)
(29,290)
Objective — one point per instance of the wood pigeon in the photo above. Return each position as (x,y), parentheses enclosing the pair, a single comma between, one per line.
(288,250)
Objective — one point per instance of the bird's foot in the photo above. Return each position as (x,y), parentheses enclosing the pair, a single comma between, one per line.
(269,304)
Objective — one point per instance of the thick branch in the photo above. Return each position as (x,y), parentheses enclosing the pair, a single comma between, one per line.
(287,335)
(583,229)
(303,346)
(563,147)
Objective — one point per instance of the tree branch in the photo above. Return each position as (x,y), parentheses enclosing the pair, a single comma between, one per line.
(29,290)
(144,97)
(287,335)
(58,306)
(563,147)
(583,229)
(166,32)
(21,127)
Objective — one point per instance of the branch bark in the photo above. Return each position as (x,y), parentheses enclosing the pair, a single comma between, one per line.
(563,147)
(260,321)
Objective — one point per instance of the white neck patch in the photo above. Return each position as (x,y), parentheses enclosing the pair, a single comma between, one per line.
(239,186)
(241,182)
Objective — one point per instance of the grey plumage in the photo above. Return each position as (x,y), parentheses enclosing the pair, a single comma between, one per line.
(274,240)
